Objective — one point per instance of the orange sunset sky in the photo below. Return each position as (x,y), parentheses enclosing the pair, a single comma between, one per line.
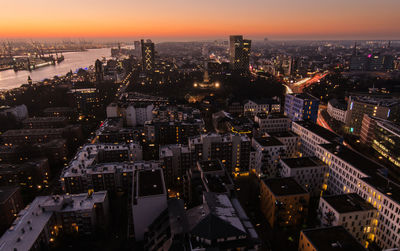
(180,19)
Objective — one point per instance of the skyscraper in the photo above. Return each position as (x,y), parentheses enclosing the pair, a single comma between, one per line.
(137,48)
(239,52)
(147,55)
(99,70)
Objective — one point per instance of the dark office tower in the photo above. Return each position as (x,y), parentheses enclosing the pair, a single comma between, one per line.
(147,55)
(137,48)
(99,70)
(239,53)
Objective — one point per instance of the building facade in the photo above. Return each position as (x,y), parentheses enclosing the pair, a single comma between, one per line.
(337,110)
(283,201)
(350,211)
(239,53)
(301,106)
(310,172)
(233,150)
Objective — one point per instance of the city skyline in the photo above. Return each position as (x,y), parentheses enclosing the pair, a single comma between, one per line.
(179,20)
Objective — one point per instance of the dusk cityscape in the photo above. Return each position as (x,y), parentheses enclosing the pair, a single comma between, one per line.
(200,125)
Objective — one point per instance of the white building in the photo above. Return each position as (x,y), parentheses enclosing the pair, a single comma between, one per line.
(232,149)
(351,172)
(38,225)
(267,152)
(309,172)
(301,106)
(352,212)
(272,123)
(291,141)
(337,110)
(19,112)
(134,114)
(149,199)
(311,135)
(102,167)
(265,106)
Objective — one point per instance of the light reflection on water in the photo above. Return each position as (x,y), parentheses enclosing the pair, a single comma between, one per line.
(73,60)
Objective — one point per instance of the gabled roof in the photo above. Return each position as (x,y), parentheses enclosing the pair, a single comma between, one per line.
(212,227)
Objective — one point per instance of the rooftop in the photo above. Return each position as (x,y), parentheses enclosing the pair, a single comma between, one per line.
(217,137)
(168,150)
(29,132)
(284,186)
(359,161)
(23,167)
(339,104)
(303,162)
(283,134)
(376,175)
(150,182)
(210,165)
(216,218)
(387,101)
(32,220)
(303,96)
(319,130)
(7,192)
(59,109)
(385,185)
(86,157)
(268,141)
(262,101)
(332,239)
(346,203)
(45,119)
(271,116)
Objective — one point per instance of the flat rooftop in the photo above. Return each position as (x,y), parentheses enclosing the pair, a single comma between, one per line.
(168,150)
(304,96)
(385,185)
(86,157)
(7,192)
(303,162)
(332,239)
(31,221)
(29,132)
(319,130)
(271,116)
(346,203)
(359,161)
(262,101)
(387,101)
(339,104)
(283,134)
(59,109)
(284,186)
(268,141)
(24,166)
(45,119)
(150,182)
(210,165)
(377,176)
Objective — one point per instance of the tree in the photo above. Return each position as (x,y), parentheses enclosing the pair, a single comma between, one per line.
(329,218)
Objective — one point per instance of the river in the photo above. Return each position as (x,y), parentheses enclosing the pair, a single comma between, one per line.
(73,60)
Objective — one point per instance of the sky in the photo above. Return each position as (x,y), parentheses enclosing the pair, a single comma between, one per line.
(200,19)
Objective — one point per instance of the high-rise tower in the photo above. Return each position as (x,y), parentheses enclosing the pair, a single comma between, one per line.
(239,52)
(147,55)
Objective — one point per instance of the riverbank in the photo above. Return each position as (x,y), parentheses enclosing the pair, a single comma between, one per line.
(10,79)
